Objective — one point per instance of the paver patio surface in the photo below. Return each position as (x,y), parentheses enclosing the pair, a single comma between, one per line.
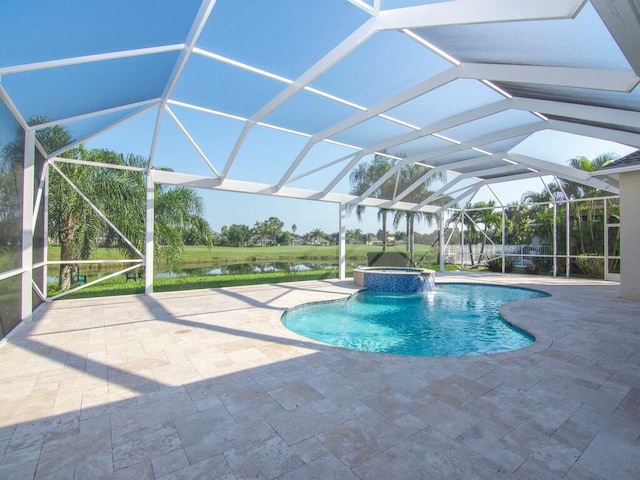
(209,384)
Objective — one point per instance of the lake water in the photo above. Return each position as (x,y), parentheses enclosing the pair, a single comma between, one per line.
(245,268)
(97,270)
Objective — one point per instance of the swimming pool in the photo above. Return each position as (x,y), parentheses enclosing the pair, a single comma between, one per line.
(455,319)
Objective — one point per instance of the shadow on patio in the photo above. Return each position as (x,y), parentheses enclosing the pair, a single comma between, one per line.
(210,383)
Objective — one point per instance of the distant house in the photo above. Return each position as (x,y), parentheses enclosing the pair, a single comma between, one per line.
(296,240)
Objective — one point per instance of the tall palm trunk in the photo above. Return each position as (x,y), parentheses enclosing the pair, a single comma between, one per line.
(410,238)
(384,230)
(64,275)
(484,242)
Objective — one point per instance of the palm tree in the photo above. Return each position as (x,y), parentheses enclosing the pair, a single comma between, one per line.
(120,196)
(78,229)
(408,175)
(469,227)
(363,177)
(177,210)
(588,237)
(586,228)
(489,218)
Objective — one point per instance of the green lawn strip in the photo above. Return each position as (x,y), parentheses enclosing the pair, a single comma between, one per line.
(118,286)
(198,254)
(220,281)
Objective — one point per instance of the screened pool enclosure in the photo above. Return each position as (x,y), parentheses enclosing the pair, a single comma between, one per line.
(287,98)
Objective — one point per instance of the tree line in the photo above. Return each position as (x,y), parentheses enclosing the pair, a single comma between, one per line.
(272,232)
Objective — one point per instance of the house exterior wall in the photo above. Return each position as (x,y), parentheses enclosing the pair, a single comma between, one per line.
(630,235)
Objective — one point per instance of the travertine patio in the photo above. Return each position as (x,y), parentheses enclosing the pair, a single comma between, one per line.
(209,384)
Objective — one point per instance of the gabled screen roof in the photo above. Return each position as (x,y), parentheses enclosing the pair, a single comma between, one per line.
(289,97)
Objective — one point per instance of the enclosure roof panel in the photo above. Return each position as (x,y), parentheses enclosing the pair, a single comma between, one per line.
(258,96)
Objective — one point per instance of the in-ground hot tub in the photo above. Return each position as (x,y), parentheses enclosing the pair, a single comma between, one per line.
(394,280)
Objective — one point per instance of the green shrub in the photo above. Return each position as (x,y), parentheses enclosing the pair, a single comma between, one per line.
(495,265)
(589,266)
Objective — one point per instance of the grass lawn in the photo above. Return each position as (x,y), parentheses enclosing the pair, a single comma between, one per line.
(197,254)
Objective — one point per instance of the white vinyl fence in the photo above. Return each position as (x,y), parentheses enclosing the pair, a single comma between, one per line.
(520,254)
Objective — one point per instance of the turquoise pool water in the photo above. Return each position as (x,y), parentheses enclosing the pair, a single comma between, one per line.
(453,320)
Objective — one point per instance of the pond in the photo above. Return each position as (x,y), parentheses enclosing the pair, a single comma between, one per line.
(186,270)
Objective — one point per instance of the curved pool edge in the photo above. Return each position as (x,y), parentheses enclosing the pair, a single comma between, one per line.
(541,340)
(512,313)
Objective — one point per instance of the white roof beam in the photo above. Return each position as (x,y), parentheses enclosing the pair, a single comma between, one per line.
(409,94)
(622,18)
(97,113)
(549,168)
(100,57)
(197,26)
(361,4)
(386,176)
(479,141)
(439,193)
(320,168)
(415,185)
(344,48)
(466,12)
(191,140)
(78,141)
(445,124)
(446,187)
(210,183)
(353,41)
(611,116)
(619,136)
(511,178)
(471,189)
(382,203)
(441,168)
(492,171)
(347,168)
(568,173)
(236,148)
(615,80)
(415,91)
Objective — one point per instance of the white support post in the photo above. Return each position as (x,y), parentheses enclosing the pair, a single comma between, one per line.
(504,236)
(45,215)
(342,228)
(442,241)
(555,239)
(462,214)
(148,251)
(27,224)
(606,240)
(568,239)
